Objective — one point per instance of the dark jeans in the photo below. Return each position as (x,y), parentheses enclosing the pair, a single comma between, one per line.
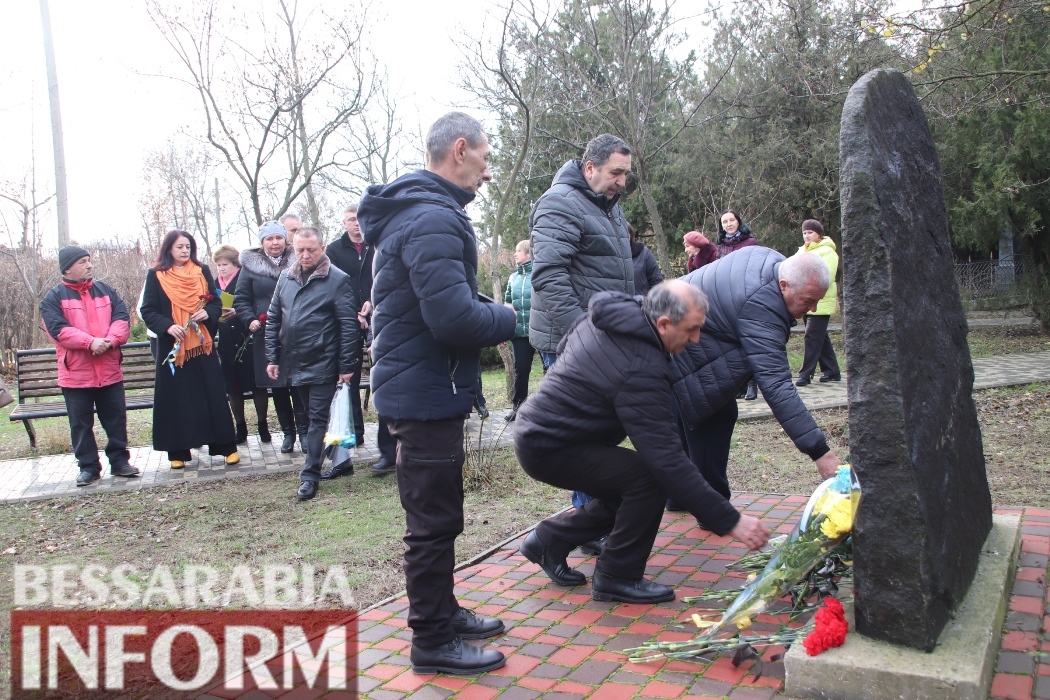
(355,404)
(108,402)
(818,348)
(317,401)
(429,462)
(547,359)
(386,442)
(524,354)
(628,503)
(708,445)
(291,410)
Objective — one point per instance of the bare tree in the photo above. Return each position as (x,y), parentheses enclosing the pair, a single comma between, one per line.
(179,194)
(271,112)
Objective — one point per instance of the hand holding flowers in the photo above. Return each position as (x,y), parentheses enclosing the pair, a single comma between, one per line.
(179,332)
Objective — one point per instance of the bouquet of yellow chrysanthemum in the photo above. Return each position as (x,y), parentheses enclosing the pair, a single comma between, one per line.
(826,522)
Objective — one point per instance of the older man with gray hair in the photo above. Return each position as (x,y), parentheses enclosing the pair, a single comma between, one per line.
(612,380)
(754,297)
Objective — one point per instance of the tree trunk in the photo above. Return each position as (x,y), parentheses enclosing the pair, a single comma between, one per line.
(663,255)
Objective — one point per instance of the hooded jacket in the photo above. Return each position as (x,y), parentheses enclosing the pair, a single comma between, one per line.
(825,248)
(74,315)
(312,331)
(613,380)
(580,247)
(519,295)
(745,334)
(428,324)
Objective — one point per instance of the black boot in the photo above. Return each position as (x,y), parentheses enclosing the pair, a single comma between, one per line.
(752,391)
(302,442)
(455,657)
(288,444)
(624,590)
(553,564)
(242,433)
(264,431)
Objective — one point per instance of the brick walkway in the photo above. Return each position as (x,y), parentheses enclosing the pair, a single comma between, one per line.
(561,644)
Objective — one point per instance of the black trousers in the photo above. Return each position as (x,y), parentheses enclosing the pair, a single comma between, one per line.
(386,442)
(429,462)
(291,411)
(628,503)
(108,402)
(524,354)
(818,348)
(708,445)
(317,401)
(355,403)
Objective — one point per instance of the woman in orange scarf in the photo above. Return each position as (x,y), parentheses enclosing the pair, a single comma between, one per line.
(179,304)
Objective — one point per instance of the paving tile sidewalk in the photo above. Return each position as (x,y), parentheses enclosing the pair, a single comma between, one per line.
(54,475)
(561,644)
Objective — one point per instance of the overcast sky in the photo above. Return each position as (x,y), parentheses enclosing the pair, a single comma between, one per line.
(115,108)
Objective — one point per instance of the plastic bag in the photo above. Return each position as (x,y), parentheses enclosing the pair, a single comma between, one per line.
(341,420)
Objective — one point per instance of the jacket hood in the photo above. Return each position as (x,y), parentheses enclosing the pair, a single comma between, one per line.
(824,242)
(572,174)
(382,202)
(616,312)
(258,263)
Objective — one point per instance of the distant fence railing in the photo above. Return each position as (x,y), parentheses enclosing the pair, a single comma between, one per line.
(986,279)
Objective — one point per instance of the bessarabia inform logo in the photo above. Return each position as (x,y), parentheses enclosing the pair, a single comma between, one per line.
(275,642)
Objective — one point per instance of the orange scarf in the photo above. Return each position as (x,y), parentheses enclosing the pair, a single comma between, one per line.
(184,289)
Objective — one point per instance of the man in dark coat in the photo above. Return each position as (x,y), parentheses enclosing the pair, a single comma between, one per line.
(580,244)
(428,329)
(313,339)
(754,297)
(613,380)
(353,256)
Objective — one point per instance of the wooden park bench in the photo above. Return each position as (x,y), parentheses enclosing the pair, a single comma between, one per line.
(38,379)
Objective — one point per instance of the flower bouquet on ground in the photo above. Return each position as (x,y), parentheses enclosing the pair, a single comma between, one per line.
(806,564)
(203,301)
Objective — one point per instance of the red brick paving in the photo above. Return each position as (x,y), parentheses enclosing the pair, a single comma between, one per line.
(562,643)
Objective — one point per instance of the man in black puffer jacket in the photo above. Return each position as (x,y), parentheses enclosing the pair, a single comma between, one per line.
(754,297)
(613,380)
(428,330)
(579,242)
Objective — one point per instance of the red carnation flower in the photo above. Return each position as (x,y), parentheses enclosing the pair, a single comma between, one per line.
(263,317)
(830,629)
(206,298)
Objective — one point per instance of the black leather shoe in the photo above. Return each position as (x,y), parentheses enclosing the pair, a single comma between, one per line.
(533,549)
(752,391)
(470,626)
(264,433)
(381,468)
(124,470)
(86,476)
(831,377)
(307,490)
(624,590)
(302,443)
(803,381)
(344,469)
(673,507)
(288,444)
(456,657)
(510,417)
(594,547)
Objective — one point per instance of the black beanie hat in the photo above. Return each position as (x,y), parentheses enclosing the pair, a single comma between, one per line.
(813,225)
(68,256)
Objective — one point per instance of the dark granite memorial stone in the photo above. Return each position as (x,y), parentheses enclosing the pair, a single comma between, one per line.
(914,437)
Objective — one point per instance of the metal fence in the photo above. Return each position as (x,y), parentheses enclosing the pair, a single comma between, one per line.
(987,279)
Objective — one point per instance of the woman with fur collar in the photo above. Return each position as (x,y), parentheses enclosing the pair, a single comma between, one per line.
(260,268)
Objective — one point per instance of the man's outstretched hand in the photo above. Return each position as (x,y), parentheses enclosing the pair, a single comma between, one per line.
(751,532)
(828,465)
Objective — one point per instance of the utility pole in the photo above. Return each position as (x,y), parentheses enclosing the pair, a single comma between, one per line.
(218,212)
(61,193)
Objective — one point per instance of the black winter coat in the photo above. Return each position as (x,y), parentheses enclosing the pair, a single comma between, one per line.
(311,330)
(745,334)
(580,247)
(428,324)
(646,271)
(255,284)
(358,266)
(613,380)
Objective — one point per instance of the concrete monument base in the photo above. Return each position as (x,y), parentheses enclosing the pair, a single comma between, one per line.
(959,668)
